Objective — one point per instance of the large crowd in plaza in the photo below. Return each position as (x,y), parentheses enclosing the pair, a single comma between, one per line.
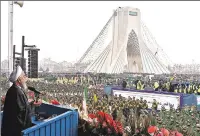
(112,115)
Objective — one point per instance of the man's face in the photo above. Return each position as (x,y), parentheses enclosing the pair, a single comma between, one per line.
(23,78)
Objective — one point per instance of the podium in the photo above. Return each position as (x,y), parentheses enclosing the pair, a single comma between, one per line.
(65,123)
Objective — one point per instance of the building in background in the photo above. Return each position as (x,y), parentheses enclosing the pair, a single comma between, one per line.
(124,45)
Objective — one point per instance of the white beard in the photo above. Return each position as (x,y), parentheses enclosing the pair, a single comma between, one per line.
(24,86)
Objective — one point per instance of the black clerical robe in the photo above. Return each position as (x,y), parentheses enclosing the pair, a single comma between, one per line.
(16,114)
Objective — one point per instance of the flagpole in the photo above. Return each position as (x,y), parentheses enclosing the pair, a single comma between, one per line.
(85,101)
(10,34)
(10,37)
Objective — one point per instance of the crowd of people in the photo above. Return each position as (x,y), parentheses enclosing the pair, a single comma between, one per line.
(116,115)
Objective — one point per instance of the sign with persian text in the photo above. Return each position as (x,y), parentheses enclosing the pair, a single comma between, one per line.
(162,99)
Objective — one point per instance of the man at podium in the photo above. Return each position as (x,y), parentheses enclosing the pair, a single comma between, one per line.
(16,113)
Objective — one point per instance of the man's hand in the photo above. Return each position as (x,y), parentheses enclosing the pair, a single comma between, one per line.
(31,101)
(38,103)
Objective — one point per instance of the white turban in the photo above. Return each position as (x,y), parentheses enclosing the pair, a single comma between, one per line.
(15,74)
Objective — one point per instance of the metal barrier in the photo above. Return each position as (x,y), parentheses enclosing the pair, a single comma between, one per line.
(65,124)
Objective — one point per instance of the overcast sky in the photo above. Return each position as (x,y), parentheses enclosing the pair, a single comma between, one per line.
(64,30)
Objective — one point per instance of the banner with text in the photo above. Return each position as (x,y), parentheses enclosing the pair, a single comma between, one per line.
(162,99)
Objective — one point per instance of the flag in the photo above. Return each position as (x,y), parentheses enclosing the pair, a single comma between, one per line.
(85,95)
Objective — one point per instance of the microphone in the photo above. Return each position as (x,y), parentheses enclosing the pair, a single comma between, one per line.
(34,90)
(37,93)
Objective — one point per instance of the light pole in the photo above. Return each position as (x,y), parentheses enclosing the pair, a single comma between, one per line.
(10,33)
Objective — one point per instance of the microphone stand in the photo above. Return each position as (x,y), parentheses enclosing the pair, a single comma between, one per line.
(37,116)
(37,96)
(35,107)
